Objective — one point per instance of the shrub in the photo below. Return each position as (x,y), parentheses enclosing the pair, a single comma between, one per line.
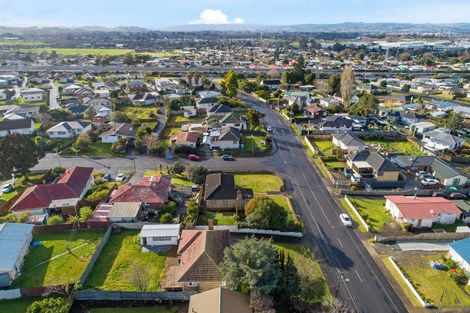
(198,174)
(166,218)
(182,149)
(85,214)
(55,220)
(170,208)
(178,168)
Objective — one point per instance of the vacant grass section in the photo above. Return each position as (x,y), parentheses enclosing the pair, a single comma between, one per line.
(111,270)
(260,183)
(283,201)
(138,113)
(16,305)
(372,211)
(406,147)
(326,147)
(67,267)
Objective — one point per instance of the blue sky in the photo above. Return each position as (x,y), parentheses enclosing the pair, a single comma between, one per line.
(158,13)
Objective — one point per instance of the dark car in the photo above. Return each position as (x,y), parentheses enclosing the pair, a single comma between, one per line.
(440,194)
(107,177)
(227,157)
(193,157)
(457,196)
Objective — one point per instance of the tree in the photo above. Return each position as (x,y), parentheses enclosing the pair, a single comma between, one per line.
(248,86)
(119,146)
(178,168)
(265,214)
(254,118)
(191,210)
(18,153)
(261,303)
(334,84)
(455,121)
(85,213)
(139,276)
(89,114)
(366,105)
(55,220)
(151,142)
(166,218)
(383,83)
(289,284)
(119,117)
(198,174)
(83,143)
(250,266)
(49,305)
(230,84)
(309,78)
(24,216)
(347,79)
(406,88)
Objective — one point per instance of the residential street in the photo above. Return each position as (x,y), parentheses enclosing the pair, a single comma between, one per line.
(350,266)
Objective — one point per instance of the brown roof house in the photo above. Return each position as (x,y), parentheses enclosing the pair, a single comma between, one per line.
(199,255)
(220,193)
(185,139)
(219,300)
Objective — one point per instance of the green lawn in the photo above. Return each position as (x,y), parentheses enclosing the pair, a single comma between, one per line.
(449,228)
(67,268)
(111,270)
(431,282)
(372,211)
(78,51)
(406,147)
(179,180)
(220,218)
(352,215)
(326,147)
(180,119)
(335,165)
(98,149)
(168,132)
(138,113)
(283,202)
(16,305)
(401,282)
(148,309)
(309,270)
(260,183)
(255,145)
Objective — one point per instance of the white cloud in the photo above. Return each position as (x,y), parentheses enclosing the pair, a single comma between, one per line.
(215,16)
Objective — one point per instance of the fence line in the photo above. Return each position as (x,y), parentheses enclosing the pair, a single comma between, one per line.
(353,208)
(101,295)
(310,146)
(425,237)
(408,284)
(252,231)
(95,256)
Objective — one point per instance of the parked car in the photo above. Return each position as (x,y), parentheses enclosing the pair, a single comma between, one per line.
(269,129)
(177,198)
(227,157)
(457,196)
(419,173)
(107,177)
(7,188)
(345,220)
(429,182)
(425,175)
(121,177)
(356,178)
(193,157)
(347,172)
(440,194)
(195,187)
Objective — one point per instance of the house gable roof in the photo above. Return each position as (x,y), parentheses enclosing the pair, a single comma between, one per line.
(151,189)
(423,207)
(219,300)
(349,140)
(462,247)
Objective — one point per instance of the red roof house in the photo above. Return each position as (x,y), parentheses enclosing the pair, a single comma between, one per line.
(422,211)
(185,138)
(62,196)
(153,190)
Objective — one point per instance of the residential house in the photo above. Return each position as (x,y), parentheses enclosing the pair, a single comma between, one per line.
(32,94)
(441,139)
(136,85)
(221,193)
(338,124)
(189,111)
(423,127)
(22,127)
(226,120)
(156,235)
(348,142)
(330,102)
(3,95)
(273,84)
(61,197)
(223,138)
(199,253)
(315,111)
(462,110)
(422,211)
(120,212)
(459,251)
(370,164)
(117,132)
(150,190)
(68,129)
(145,99)
(206,103)
(96,103)
(77,110)
(185,139)
(13,117)
(15,239)
(220,300)
(27,111)
(410,117)
(447,175)
(220,109)
(71,89)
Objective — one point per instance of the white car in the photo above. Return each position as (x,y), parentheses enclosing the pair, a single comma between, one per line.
(344,218)
(429,182)
(121,177)
(269,128)
(7,188)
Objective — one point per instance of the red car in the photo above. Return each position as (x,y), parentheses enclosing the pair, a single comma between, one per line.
(193,157)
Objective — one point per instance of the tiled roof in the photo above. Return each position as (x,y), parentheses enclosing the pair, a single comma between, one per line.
(422,207)
(151,189)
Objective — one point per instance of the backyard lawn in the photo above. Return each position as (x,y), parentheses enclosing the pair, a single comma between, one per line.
(219,218)
(136,113)
(16,305)
(431,282)
(406,147)
(66,268)
(148,309)
(111,270)
(372,211)
(78,51)
(260,183)
(309,270)
(325,146)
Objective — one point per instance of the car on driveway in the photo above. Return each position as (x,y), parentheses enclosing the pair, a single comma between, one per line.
(440,194)
(457,196)
(7,188)
(107,177)
(193,157)
(345,220)
(121,177)
(227,157)
(429,182)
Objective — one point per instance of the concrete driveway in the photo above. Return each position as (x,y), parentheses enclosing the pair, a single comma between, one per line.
(423,245)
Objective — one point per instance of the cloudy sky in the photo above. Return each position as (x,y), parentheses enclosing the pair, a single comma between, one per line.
(159,13)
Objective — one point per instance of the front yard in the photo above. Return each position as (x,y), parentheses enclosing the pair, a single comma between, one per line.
(326,146)
(260,183)
(255,145)
(21,184)
(372,211)
(405,147)
(140,113)
(39,270)
(111,270)
(97,149)
(177,180)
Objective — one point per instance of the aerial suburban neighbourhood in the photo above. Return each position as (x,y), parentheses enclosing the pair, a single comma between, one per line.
(254,164)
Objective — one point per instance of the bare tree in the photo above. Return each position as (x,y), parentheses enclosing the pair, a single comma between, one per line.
(261,303)
(139,276)
(335,305)
(347,79)
(151,142)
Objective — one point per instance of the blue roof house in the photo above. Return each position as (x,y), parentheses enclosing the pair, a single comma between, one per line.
(460,253)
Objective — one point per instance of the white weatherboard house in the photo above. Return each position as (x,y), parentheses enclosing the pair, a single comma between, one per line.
(32,94)
(14,244)
(68,129)
(460,252)
(160,235)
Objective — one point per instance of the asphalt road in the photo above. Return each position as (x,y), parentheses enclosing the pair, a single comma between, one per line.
(357,280)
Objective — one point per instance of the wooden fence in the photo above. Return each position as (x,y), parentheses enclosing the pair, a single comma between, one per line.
(100,295)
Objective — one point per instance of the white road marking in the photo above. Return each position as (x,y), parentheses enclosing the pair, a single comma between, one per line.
(358,275)
(340,243)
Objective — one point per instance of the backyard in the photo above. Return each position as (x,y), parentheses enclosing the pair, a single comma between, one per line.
(260,183)
(16,305)
(111,270)
(147,309)
(220,218)
(67,268)
(405,147)
(372,211)
(140,113)
(326,147)
(431,282)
